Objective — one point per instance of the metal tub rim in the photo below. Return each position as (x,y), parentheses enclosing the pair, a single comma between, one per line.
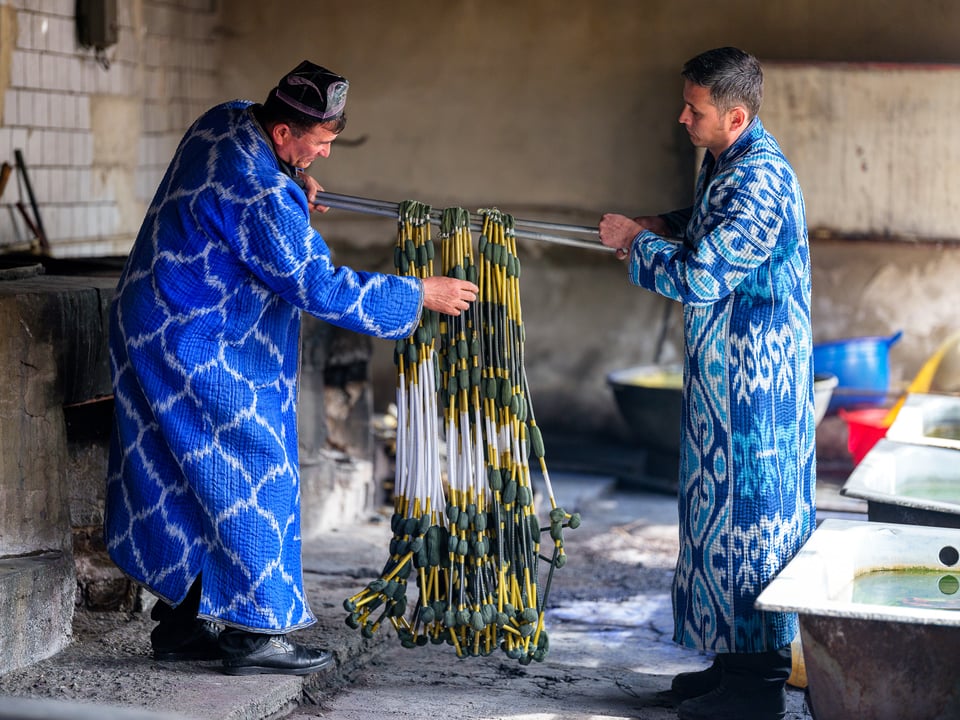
(797,588)
(878,459)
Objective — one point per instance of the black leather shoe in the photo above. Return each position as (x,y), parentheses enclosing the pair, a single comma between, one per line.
(278,655)
(199,641)
(694,684)
(726,704)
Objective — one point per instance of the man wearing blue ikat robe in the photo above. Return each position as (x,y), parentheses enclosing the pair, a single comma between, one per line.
(203,498)
(741,269)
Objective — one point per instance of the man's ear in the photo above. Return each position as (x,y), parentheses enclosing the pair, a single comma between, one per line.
(738,118)
(280,133)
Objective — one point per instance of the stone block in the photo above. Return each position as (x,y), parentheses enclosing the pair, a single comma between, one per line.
(34,513)
(53,355)
(37,596)
(88,427)
(335,490)
(334,417)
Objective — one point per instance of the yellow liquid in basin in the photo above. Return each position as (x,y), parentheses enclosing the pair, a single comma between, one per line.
(665,380)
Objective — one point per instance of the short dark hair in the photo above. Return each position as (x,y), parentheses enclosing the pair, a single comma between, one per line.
(733,76)
(274,112)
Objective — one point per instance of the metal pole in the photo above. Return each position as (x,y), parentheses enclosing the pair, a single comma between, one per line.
(38,228)
(531,229)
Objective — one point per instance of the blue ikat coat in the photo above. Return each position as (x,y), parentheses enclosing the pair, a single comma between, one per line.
(204,343)
(747,466)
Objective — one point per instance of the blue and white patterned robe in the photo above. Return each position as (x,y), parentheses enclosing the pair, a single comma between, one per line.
(204,341)
(747,466)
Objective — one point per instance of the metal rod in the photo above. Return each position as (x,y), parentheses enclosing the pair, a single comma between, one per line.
(388,209)
(37,220)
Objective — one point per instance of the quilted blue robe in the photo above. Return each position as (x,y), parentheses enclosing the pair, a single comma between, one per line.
(747,466)
(204,343)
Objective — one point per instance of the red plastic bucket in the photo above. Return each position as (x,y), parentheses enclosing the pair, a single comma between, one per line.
(864,429)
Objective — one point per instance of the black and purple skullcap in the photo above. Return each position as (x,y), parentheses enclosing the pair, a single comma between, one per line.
(314,91)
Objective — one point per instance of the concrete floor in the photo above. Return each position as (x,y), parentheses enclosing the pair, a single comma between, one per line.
(609,623)
(610,630)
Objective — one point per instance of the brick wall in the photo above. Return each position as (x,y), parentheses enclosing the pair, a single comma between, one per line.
(97,129)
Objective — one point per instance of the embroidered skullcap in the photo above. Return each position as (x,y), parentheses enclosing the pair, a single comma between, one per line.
(314,91)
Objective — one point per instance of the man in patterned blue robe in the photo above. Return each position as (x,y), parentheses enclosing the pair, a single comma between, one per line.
(741,269)
(203,494)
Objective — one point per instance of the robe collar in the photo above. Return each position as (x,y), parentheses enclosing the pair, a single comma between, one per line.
(712,165)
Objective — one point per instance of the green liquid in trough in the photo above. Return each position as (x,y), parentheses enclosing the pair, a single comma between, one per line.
(926,589)
(937,489)
(947,431)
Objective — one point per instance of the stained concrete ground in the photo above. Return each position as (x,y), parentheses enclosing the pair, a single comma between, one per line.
(609,624)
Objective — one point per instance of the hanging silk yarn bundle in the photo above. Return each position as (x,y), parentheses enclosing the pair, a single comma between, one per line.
(472,544)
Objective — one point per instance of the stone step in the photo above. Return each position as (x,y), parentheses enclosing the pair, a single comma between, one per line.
(37,596)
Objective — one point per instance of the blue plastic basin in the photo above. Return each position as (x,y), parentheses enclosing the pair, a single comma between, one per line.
(862,367)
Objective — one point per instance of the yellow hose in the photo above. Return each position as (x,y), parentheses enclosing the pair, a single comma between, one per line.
(921,383)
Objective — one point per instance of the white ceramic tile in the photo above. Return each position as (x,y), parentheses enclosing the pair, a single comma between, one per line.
(11,105)
(82,112)
(24,32)
(41,109)
(18,70)
(31,62)
(6,146)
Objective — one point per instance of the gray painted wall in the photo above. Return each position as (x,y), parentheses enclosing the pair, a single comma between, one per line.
(562,110)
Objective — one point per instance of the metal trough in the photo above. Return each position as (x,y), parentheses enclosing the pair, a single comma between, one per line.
(928,419)
(874,661)
(908,484)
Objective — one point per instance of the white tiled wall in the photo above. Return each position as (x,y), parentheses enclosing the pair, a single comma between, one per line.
(163,65)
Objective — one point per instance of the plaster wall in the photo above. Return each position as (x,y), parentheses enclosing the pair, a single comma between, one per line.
(556,106)
(867,143)
(583,320)
(548,109)
(563,110)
